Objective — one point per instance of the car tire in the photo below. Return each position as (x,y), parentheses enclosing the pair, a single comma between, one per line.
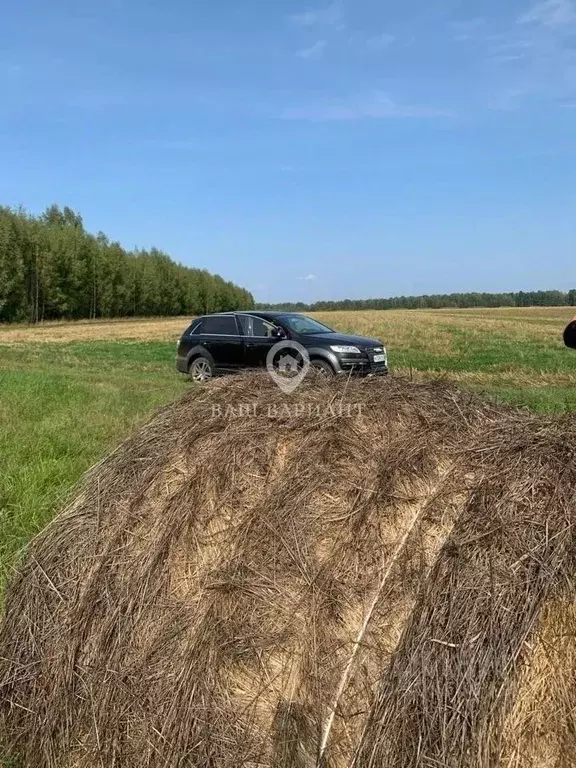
(201,370)
(322,367)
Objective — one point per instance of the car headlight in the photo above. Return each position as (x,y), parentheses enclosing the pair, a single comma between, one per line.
(345,350)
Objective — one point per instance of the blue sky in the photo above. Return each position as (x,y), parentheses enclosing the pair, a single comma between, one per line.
(306,151)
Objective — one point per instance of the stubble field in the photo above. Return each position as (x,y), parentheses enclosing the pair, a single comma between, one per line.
(70,392)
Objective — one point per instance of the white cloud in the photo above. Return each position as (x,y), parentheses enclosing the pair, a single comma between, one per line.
(371,43)
(509,100)
(506,46)
(468,29)
(534,61)
(382,40)
(371,106)
(308,277)
(315,51)
(503,58)
(550,13)
(331,16)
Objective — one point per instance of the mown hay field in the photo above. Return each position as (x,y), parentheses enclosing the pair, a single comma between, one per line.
(70,392)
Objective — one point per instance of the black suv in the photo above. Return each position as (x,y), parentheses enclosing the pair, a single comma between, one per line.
(231,341)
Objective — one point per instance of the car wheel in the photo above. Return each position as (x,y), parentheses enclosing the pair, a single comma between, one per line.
(201,370)
(322,367)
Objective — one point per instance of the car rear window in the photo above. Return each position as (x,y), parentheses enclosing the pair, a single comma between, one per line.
(195,328)
(223,325)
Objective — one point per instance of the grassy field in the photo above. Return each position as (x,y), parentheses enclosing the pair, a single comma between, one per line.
(71,392)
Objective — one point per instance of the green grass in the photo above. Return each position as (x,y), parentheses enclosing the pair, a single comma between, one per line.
(543,400)
(529,373)
(62,408)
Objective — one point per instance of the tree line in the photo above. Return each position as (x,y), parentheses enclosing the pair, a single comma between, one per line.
(51,268)
(438,301)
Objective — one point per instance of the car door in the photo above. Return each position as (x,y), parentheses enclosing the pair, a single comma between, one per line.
(258,339)
(220,337)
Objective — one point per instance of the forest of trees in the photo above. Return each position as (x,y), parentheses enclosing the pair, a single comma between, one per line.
(51,268)
(439,301)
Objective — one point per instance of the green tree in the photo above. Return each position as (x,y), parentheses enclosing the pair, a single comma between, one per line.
(12,273)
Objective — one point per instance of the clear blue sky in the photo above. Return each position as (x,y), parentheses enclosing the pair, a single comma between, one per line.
(306,151)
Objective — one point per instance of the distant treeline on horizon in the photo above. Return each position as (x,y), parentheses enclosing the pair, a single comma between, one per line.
(438,301)
(52,269)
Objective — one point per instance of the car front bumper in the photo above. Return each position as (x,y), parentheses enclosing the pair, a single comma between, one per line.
(361,368)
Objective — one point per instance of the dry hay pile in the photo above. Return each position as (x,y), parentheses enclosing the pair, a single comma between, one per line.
(392,586)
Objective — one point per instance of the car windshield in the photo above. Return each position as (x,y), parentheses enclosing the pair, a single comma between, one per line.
(304,325)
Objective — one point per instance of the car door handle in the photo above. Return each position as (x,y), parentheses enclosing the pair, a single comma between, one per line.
(250,346)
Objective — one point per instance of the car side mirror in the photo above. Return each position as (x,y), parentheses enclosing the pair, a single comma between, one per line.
(278,333)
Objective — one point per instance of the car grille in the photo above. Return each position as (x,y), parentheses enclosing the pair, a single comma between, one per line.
(371,352)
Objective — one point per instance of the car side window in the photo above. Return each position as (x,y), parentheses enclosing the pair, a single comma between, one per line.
(195,328)
(246,324)
(220,325)
(263,327)
(256,326)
